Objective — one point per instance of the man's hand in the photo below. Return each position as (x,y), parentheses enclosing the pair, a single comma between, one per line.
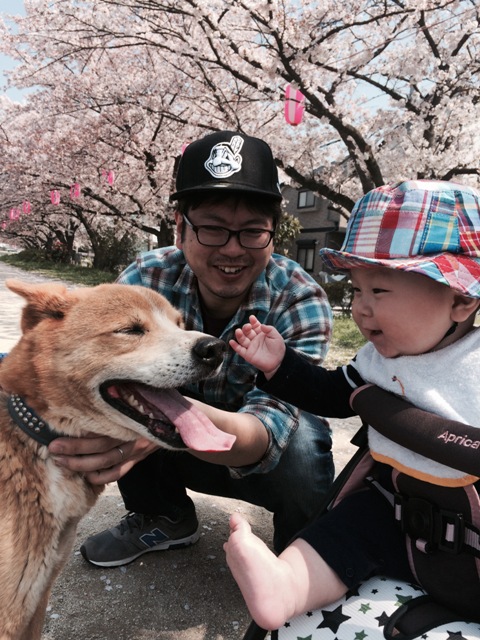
(100,459)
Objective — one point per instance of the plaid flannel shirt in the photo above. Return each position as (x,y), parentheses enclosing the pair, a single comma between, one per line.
(285,296)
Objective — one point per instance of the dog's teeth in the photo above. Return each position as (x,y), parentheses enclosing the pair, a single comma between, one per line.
(133,402)
(151,416)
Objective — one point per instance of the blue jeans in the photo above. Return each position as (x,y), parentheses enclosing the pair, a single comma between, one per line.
(292,491)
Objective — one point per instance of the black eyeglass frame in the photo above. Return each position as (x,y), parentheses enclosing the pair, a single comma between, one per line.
(238,234)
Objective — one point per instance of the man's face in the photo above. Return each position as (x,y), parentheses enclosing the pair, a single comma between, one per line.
(225,274)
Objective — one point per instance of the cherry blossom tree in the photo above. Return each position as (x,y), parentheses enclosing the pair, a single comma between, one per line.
(391,90)
(97,150)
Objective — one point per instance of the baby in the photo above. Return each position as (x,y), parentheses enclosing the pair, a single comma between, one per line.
(412,251)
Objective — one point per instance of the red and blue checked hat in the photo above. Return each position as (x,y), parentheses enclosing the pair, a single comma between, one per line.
(430,227)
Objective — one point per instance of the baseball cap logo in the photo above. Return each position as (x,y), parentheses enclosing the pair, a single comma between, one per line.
(225,158)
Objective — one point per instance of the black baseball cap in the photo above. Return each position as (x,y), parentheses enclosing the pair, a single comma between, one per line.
(227,161)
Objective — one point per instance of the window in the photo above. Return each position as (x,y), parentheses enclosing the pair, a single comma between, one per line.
(306,254)
(305,199)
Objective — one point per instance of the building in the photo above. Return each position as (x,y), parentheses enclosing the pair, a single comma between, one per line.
(322,226)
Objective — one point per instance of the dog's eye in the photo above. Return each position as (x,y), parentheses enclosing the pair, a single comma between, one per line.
(134,329)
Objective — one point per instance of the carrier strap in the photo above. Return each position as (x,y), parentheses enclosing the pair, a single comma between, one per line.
(416,618)
(430,526)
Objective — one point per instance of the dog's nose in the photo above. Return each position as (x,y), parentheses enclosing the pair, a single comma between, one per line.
(210,351)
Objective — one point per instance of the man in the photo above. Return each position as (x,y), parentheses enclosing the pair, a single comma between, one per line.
(222,270)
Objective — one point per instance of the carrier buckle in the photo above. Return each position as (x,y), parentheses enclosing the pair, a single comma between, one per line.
(452,530)
(436,528)
(417,518)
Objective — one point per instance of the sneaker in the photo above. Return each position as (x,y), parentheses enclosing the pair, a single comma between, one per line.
(137,534)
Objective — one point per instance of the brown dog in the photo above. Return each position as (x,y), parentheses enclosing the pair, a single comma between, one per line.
(105,360)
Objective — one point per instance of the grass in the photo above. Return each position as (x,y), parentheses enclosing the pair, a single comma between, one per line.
(346,338)
(69,273)
(346,341)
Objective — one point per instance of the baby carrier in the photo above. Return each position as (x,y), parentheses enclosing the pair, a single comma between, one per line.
(442,528)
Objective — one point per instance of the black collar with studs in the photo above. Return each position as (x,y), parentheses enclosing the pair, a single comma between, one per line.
(29,422)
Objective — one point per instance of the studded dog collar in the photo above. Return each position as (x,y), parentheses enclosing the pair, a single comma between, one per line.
(29,422)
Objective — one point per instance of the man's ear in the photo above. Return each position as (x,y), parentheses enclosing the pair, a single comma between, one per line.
(178,230)
(463,307)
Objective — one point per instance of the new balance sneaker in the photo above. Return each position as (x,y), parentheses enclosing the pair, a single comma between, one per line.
(137,534)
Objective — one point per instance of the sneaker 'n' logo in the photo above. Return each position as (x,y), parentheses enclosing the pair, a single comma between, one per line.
(153,537)
(225,158)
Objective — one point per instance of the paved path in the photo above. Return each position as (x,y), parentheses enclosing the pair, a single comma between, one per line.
(11,304)
(183,595)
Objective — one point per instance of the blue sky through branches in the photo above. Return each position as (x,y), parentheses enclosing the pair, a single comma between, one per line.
(11,7)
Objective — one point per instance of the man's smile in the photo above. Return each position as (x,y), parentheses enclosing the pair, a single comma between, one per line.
(230,270)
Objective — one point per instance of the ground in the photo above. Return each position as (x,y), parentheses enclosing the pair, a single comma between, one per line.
(188,594)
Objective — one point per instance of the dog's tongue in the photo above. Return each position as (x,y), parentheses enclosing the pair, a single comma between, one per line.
(197,431)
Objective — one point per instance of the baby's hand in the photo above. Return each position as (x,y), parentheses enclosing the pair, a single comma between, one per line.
(260,345)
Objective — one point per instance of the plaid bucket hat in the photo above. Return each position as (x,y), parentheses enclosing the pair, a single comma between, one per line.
(430,227)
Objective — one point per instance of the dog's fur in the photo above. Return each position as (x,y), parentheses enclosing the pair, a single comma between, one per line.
(80,352)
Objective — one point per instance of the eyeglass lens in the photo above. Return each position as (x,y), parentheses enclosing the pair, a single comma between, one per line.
(219,236)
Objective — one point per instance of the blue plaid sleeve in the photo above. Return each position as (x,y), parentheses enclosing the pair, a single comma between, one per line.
(299,309)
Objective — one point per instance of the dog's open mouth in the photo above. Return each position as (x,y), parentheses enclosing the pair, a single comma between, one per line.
(167,415)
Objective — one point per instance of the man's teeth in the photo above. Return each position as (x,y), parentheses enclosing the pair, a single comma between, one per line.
(230,269)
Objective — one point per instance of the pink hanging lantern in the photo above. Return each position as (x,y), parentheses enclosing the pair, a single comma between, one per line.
(14,214)
(55,196)
(294,105)
(75,191)
(26,207)
(109,176)
(3,225)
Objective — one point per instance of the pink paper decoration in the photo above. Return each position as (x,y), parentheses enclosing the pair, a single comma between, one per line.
(109,176)
(75,191)
(55,196)
(14,213)
(26,207)
(294,105)
(4,225)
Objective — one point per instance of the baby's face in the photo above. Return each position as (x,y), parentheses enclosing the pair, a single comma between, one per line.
(401,313)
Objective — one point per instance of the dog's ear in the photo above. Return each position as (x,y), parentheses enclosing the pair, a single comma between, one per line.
(50,300)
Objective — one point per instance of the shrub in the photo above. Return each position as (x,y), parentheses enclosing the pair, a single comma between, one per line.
(340,295)
(112,253)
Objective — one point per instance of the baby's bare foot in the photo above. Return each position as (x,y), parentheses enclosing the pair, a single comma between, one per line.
(262,577)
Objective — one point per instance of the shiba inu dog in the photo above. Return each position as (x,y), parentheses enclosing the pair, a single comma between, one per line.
(106,360)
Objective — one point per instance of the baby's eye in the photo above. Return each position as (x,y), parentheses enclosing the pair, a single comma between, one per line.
(378,290)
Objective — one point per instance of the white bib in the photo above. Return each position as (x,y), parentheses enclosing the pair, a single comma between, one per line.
(445,382)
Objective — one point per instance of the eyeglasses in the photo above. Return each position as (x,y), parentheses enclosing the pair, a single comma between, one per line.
(213,236)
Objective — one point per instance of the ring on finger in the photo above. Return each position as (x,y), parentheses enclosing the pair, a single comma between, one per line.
(121,452)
